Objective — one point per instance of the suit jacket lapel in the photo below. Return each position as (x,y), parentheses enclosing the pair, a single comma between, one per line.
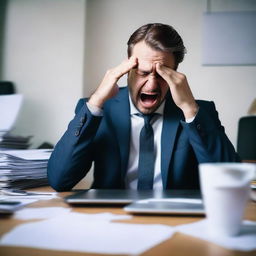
(120,110)
(172,117)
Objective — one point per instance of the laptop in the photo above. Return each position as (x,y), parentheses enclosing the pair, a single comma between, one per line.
(144,201)
(175,206)
(107,196)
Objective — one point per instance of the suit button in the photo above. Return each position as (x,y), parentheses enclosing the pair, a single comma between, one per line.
(82,119)
(81,123)
(77,132)
(198,127)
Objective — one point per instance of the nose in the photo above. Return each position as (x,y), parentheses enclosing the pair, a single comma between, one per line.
(151,83)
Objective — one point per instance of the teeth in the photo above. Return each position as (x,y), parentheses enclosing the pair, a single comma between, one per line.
(145,97)
(149,93)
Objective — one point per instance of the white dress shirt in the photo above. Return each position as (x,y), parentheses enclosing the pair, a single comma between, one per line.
(137,122)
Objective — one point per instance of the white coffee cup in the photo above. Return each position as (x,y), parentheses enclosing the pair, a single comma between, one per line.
(225,188)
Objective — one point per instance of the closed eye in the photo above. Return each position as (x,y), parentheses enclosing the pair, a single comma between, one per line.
(142,73)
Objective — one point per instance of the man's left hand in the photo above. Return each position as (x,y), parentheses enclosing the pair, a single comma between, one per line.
(180,90)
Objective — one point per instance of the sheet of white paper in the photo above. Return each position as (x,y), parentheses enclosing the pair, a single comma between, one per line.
(9,108)
(29,154)
(105,216)
(59,212)
(7,208)
(88,234)
(40,213)
(26,197)
(172,200)
(246,241)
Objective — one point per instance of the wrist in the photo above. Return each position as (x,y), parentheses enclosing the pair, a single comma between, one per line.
(190,111)
(96,101)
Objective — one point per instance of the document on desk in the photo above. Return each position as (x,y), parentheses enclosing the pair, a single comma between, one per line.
(40,213)
(23,168)
(93,233)
(245,241)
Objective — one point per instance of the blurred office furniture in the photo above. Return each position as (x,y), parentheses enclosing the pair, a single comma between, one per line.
(46,145)
(246,140)
(6,87)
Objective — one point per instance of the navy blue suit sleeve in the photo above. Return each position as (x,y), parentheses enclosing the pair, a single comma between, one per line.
(72,156)
(207,136)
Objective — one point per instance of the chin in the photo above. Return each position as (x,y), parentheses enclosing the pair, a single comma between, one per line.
(147,111)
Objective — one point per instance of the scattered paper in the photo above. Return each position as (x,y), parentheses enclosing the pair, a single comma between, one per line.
(40,213)
(104,216)
(245,241)
(41,196)
(92,233)
(59,212)
(9,206)
(9,108)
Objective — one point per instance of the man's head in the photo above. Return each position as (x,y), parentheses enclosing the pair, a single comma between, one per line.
(151,44)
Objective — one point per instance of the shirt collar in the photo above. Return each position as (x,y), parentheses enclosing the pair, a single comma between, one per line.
(134,110)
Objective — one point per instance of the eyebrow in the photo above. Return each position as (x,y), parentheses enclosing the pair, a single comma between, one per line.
(144,71)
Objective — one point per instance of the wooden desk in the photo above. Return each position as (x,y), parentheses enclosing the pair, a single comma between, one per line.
(178,245)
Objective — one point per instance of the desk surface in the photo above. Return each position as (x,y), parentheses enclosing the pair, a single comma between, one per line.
(179,244)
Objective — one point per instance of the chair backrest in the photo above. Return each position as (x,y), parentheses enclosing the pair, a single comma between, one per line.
(6,87)
(246,140)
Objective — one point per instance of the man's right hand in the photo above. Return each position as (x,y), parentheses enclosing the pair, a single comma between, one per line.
(108,87)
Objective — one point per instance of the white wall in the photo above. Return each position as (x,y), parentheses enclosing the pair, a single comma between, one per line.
(110,23)
(48,56)
(44,57)
(45,47)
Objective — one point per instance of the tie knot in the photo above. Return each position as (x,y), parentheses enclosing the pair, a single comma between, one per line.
(147,118)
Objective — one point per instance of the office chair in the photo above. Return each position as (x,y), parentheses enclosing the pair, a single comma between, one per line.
(6,87)
(246,140)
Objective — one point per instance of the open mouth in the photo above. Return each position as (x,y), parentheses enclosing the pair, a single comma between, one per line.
(148,98)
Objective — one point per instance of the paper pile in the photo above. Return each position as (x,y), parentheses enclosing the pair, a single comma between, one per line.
(23,168)
(9,141)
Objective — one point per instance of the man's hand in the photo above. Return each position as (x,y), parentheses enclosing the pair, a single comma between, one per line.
(180,90)
(108,87)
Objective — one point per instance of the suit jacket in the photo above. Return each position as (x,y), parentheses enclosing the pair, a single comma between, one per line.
(106,142)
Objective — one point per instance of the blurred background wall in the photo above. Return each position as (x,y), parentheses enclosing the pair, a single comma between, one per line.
(44,45)
(56,51)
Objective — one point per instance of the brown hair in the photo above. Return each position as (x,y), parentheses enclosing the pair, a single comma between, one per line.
(160,37)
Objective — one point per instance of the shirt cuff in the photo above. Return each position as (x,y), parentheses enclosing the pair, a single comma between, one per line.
(95,111)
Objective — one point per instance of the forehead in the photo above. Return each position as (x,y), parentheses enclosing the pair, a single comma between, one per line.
(147,56)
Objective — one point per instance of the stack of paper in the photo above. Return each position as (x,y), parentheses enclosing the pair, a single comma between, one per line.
(23,168)
(8,141)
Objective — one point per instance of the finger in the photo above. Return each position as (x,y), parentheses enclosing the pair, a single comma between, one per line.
(126,66)
(171,76)
(165,72)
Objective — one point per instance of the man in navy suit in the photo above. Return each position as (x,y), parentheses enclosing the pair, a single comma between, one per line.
(106,127)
